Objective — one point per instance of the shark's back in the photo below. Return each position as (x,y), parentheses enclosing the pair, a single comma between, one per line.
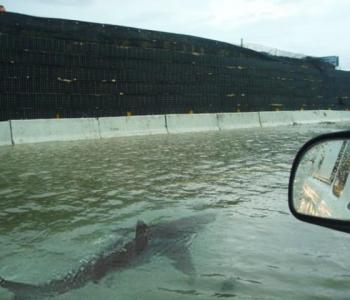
(171,239)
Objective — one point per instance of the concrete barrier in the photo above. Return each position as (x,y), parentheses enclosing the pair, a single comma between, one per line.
(309,116)
(5,133)
(178,123)
(134,125)
(344,116)
(320,116)
(338,116)
(331,116)
(45,130)
(238,120)
(276,118)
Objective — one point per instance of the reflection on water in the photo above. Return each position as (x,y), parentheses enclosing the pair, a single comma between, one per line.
(61,203)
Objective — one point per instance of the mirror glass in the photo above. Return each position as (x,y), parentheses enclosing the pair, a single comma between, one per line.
(321,187)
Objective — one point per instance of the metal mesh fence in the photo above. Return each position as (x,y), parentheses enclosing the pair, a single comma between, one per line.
(60,68)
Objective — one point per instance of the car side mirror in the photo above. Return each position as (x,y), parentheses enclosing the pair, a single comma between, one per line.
(319,184)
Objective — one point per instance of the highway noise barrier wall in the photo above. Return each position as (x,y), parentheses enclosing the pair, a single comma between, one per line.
(46,130)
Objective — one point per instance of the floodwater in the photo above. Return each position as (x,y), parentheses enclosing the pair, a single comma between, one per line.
(61,203)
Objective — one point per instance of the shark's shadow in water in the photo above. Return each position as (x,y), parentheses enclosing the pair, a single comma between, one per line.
(171,239)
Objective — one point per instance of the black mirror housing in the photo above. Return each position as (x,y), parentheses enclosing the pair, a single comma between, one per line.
(317,191)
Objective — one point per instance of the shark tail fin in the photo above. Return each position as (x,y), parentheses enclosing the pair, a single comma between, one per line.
(141,236)
(22,291)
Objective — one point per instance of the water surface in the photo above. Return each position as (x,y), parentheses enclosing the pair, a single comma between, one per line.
(61,203)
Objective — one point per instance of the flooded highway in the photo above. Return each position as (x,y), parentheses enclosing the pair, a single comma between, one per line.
(63,203)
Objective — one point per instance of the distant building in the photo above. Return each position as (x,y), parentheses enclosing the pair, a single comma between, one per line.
(333,60)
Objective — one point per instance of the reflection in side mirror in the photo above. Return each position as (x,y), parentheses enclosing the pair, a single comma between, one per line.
(320,183)
(319,189)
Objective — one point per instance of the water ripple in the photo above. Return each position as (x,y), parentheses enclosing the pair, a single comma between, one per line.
(63,202)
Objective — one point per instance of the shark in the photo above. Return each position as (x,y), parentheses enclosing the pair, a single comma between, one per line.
(171,239)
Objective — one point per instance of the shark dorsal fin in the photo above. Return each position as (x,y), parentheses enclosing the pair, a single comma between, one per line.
(141,236)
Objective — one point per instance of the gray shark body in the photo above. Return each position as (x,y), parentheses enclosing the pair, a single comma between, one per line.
(170,239)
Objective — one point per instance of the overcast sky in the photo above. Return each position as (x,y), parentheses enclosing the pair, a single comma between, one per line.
(311,27)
